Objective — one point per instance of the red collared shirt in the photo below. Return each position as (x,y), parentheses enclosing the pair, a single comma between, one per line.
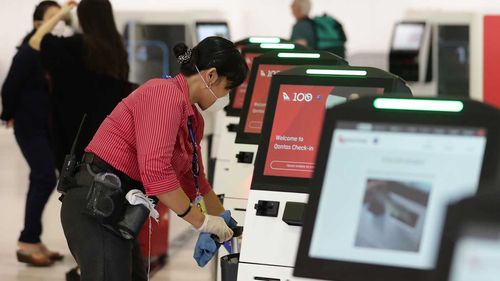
(147,138)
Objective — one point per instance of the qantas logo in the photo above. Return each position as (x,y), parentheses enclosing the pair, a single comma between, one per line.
(298,97)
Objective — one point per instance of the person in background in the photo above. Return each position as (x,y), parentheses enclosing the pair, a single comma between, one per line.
(303,30)
(89,72)
(25,107)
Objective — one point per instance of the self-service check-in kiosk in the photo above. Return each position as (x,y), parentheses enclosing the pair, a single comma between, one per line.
(386,171)
(286,157)
(410,54)
(227,121)
(470,244)
(233,177)
(449,54)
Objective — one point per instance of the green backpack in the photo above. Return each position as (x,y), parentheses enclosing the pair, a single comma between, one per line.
(329,33)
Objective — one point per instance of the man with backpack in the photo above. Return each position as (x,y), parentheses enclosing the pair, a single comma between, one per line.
(303,31)
(321,33)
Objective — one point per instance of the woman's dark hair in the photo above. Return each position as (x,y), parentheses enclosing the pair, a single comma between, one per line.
(106,52)
(38,15)
(213,52)
(42,7)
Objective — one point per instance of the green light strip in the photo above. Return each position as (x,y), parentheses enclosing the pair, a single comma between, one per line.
(277,46)
(419,104)
(337,72)
(256,40)
(300,55)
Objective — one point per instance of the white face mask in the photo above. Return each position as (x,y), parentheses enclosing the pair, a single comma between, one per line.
(219,103)
(62,30)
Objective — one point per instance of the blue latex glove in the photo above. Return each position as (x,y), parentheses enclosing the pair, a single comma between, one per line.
(206,247)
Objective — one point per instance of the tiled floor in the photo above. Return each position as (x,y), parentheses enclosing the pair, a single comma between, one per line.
(13,186)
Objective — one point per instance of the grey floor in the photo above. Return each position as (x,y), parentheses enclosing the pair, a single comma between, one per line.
(13,188)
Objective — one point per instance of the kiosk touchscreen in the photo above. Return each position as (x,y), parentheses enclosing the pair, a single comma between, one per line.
(250,52)
(264,68)
(410,55)
(208,29)
(477,254)
(408,36)
(470,244)
(387,169)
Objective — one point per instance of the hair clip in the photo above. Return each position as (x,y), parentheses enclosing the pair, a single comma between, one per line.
(185,58)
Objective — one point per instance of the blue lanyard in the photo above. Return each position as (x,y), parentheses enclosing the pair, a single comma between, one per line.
(195,167)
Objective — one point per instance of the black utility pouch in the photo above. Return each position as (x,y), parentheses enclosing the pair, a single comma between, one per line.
(105,199)
(134,218)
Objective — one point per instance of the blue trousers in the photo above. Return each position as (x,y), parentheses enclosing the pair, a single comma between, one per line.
(37,151)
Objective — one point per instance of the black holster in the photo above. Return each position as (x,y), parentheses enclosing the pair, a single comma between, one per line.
(105,199)
(106,203)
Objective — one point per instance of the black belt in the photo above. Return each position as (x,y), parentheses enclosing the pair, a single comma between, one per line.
(97,165)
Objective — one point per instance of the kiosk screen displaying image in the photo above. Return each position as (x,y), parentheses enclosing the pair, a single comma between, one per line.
(204,30)
(297,126)
(241,90)
(408,36)
(477,254)
(387,186)
(260,93)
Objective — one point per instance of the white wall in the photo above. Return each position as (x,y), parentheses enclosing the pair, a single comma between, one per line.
(368,23)
(15,23)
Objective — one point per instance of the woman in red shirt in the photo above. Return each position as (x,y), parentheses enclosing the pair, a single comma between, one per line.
(150,141)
